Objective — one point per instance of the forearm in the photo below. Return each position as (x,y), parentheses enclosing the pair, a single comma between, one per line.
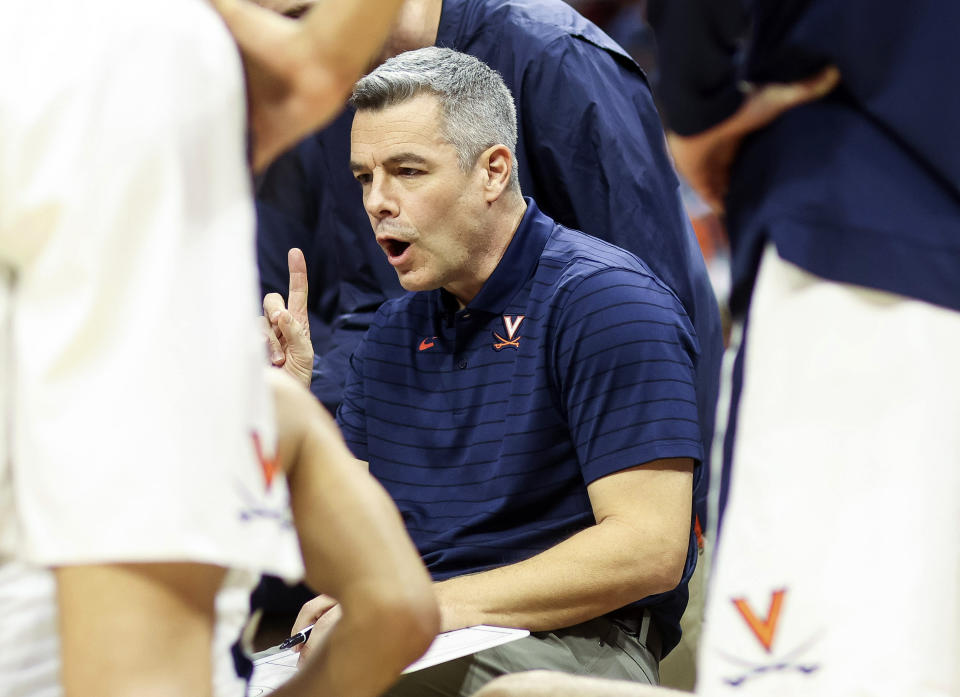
(356,550)
(338,508)
(360,554)
(597,570)
(361,655)
(348,34)
(335,41)
(697,42)
(299,73)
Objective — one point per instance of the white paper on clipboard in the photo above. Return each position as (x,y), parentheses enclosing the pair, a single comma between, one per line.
(270,672)
(463,642)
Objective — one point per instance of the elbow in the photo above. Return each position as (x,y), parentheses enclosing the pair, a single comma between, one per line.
(659,570)
(409,622)
(667,571)
(422,621)
(672,573)
(404,619)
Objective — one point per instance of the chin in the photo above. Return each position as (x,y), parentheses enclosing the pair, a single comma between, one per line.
(415,285)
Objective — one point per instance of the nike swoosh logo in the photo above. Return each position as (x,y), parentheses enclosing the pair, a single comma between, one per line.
(424,344)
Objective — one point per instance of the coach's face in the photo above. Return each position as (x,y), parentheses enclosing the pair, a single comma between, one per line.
(427,213)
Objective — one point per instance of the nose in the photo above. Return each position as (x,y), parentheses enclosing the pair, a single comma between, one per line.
(378,198)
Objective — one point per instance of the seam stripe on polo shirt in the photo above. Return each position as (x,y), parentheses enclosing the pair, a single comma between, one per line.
(475,444)
(464,482)
(395,403)
(405,424)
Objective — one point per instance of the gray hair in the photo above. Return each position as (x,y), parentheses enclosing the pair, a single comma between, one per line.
(477,107)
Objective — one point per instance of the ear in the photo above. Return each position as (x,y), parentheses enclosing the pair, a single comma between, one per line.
(496,163)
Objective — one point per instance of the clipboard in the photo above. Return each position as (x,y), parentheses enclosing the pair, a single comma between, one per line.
(273,668)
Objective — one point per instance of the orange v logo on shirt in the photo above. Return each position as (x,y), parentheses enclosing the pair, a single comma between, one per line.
(426,343)
(269,465)
(511,323)
(764,629)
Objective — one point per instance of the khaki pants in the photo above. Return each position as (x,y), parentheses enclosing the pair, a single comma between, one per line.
(598,647)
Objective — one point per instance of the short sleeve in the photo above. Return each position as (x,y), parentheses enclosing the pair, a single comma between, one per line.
(624,360)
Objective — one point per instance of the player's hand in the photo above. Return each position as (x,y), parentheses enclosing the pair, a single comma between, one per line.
(287,326)
(322,612)
(705,159)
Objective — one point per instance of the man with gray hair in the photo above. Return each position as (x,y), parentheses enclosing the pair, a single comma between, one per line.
(529,406)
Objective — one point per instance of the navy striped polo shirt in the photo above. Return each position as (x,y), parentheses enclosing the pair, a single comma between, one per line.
(486,424)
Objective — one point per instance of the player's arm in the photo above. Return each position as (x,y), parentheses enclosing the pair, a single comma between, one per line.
(356,550)
(636,548)
(709,113)
(300,72)
(136,629)
(705,159)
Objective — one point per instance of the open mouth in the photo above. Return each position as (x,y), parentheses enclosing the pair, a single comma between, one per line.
(395,248)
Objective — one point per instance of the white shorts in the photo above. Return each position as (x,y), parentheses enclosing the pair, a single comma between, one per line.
(838,567)
(135,424)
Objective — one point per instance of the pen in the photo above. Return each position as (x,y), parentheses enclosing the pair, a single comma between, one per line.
(296,639)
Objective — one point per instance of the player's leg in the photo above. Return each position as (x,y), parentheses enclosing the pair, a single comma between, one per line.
(542,683)
(137,629)
(126,216)
(838,567)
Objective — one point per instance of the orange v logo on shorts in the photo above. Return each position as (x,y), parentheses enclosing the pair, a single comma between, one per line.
(511,323)
(269,465)
(763,629)
(426,343)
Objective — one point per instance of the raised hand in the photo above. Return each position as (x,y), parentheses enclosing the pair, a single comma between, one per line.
(287,325)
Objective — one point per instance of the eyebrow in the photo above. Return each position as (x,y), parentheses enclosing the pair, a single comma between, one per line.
(408,157)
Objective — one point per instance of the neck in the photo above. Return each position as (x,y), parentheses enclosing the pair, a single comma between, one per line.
(505,216)
(514,208)
(417,24)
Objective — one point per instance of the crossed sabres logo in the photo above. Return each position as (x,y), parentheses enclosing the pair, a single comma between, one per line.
(765,629)
(511,323)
